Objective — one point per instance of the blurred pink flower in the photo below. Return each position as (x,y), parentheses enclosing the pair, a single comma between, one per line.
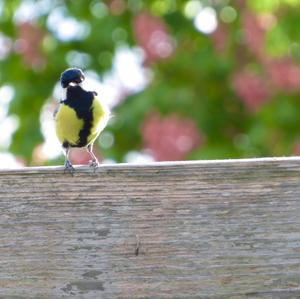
(254,34)
(117,7)
(170,138)
(284,74)
(220,38)
(80,156)
(28,44)
(251,88)
(296,149)
(152,35)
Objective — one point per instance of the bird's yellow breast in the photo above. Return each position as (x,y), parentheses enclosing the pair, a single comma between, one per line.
(100,119)
(73,130)
(68,125)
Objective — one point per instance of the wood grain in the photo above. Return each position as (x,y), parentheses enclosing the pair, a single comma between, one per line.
(202,229)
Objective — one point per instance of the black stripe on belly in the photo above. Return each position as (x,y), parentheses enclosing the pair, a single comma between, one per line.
(81,101)
(86,130)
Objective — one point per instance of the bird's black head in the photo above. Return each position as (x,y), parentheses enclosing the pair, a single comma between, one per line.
(74,75)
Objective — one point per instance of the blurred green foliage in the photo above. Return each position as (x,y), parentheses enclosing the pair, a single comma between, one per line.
(195,82)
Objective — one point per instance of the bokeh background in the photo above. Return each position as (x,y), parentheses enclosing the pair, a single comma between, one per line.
(195,79)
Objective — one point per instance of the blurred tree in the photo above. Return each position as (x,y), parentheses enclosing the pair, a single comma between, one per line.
(188,79)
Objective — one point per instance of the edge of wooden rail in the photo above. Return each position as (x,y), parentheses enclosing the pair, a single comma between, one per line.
(127,166)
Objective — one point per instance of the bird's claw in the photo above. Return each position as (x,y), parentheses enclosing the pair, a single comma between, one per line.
(69,167)
(94,164)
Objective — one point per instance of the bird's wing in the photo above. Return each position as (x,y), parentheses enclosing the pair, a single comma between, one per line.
(56,109)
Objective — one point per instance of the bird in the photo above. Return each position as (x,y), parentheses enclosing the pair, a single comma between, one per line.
(80,116)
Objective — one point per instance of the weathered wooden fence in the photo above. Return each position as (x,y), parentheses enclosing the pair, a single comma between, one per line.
(205,229)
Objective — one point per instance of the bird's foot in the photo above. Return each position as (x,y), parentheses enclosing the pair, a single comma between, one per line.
(95,164)
(69,167)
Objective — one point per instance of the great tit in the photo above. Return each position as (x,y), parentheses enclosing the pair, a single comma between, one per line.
(80,117)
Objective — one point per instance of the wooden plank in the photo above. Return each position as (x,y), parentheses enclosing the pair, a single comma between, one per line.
(202,229)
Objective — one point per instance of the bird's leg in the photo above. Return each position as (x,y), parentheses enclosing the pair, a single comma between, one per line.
(94,163)
(68,166)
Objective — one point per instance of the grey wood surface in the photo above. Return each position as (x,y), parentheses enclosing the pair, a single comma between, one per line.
(203,229)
